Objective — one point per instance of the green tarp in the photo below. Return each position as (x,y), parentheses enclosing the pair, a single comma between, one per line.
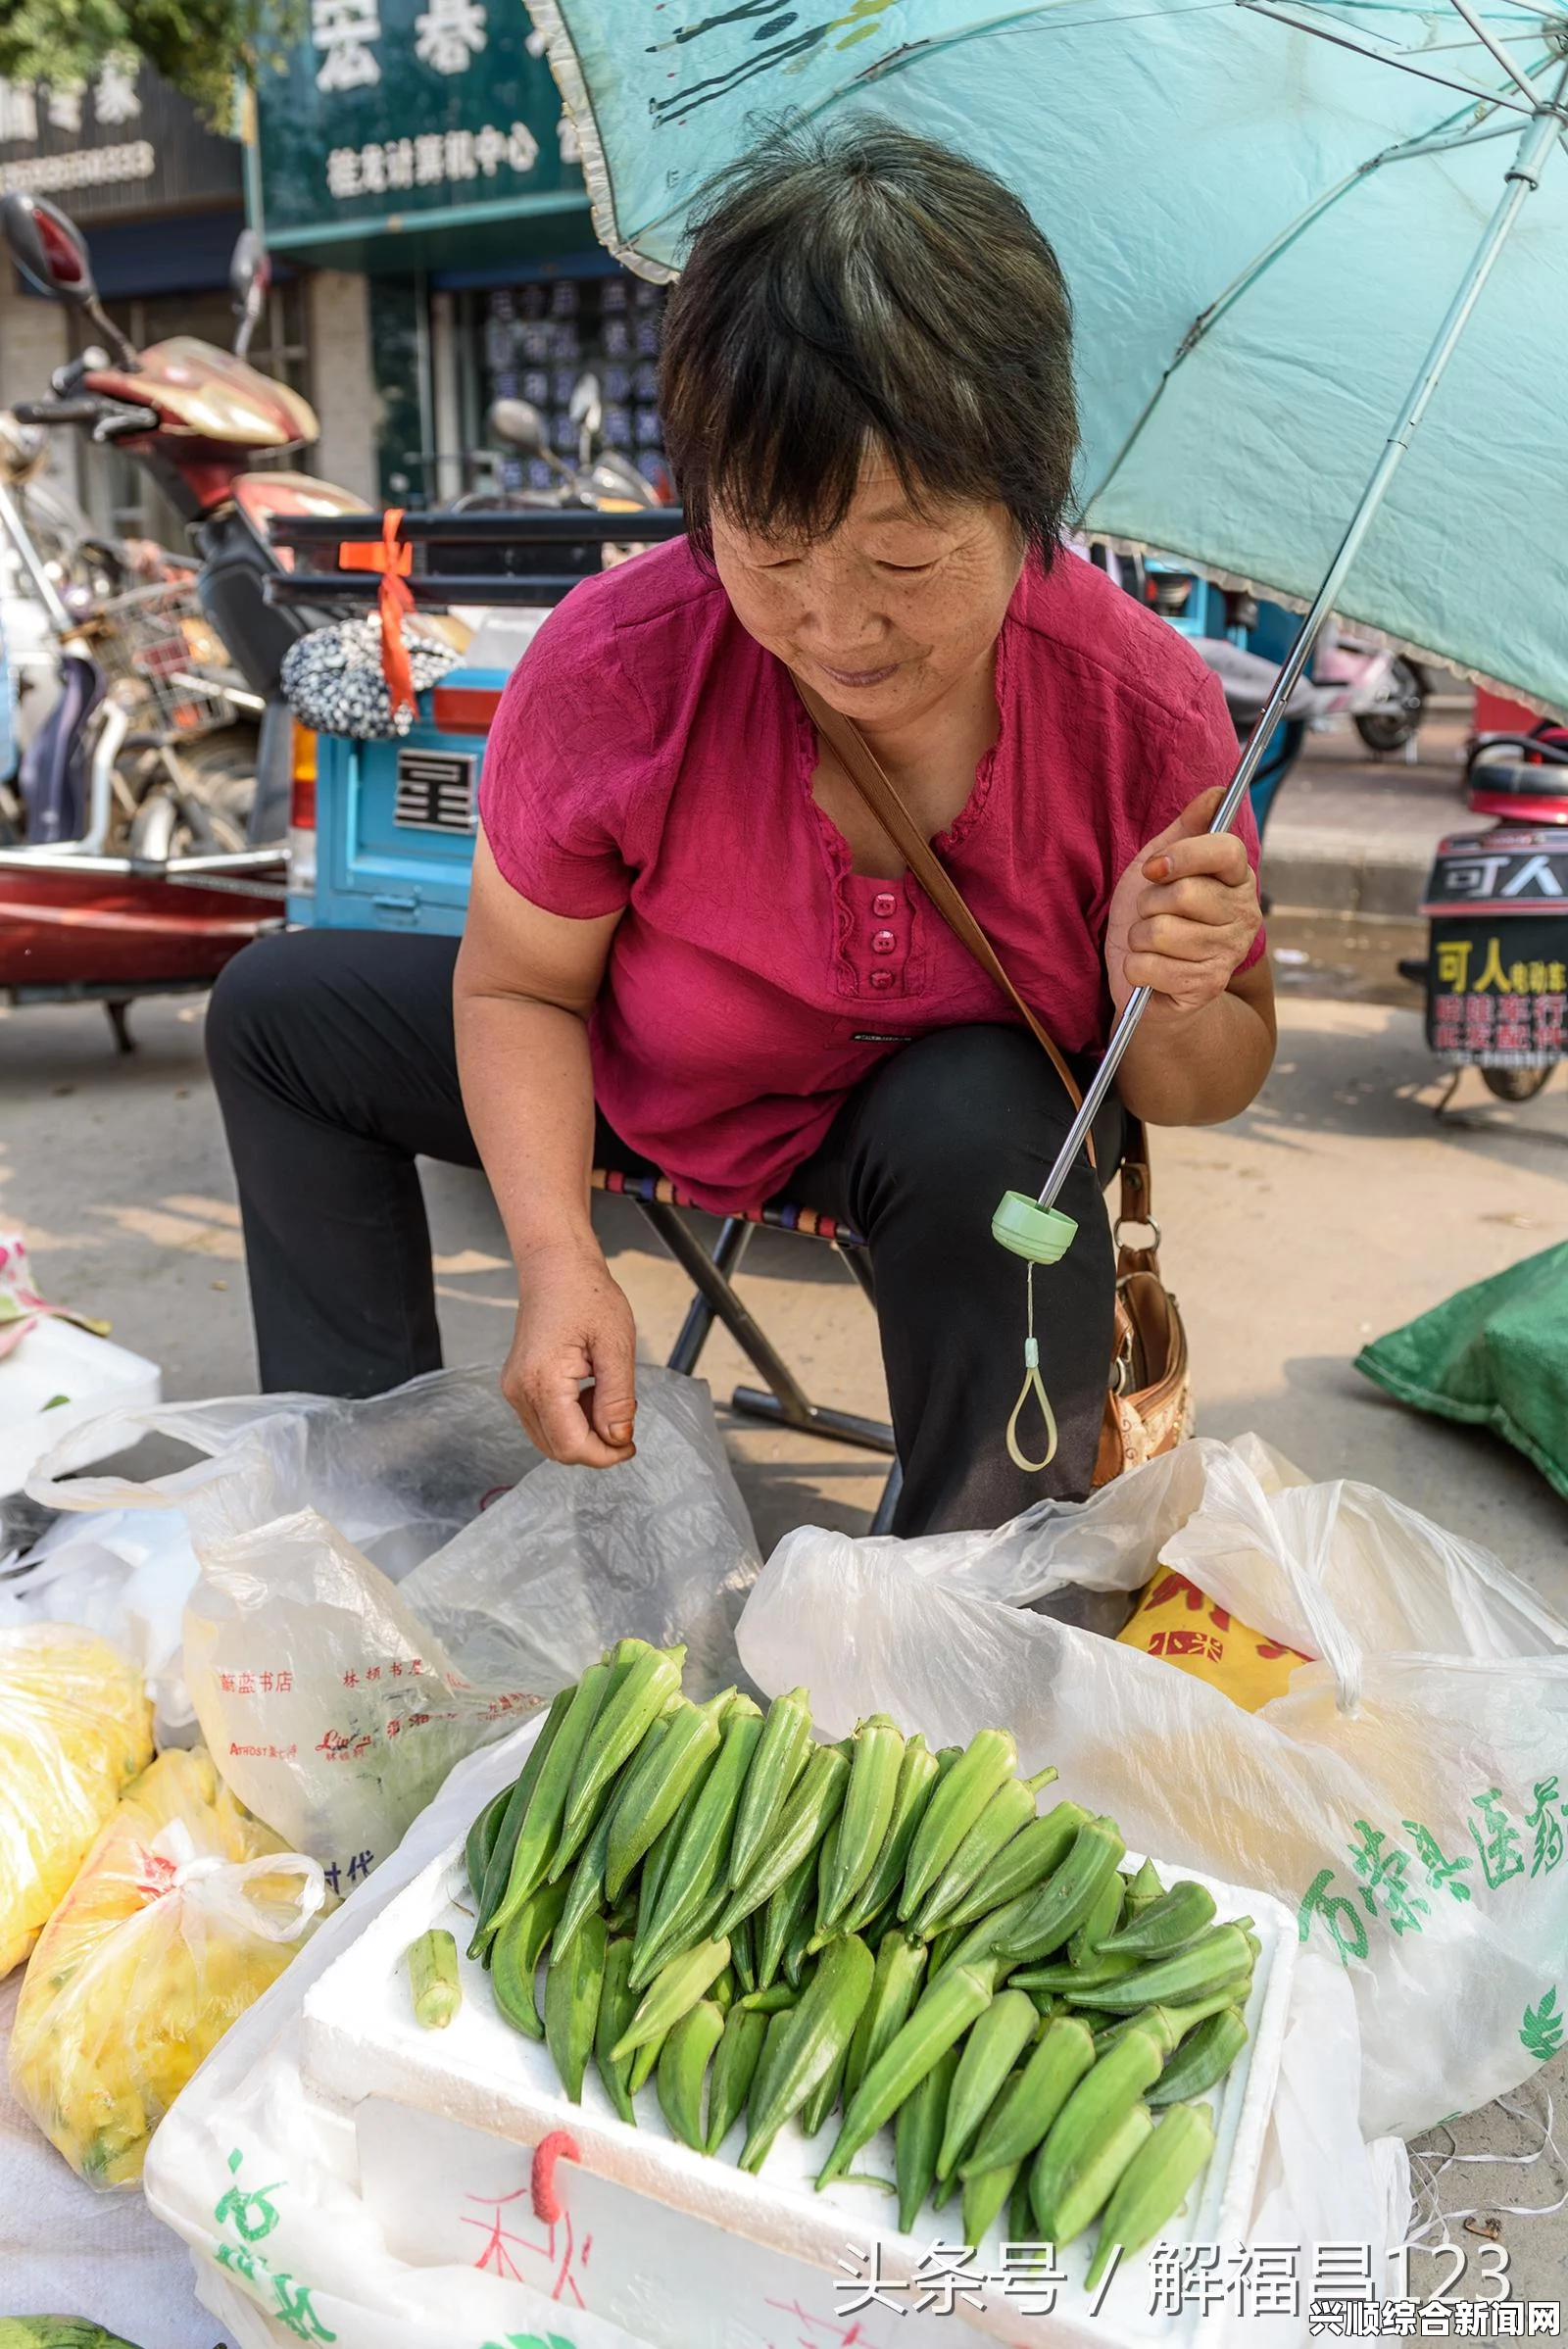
(1495,1355)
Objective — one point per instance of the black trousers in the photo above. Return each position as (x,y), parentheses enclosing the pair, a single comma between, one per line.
(333,1057)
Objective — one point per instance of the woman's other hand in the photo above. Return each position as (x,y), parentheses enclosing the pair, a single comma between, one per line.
(1183,915)
(573,1324)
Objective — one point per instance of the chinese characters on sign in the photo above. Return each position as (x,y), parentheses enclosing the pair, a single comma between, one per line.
(433,159)
(1498,991)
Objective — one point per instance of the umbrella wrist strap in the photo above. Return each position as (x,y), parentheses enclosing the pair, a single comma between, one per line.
(1033,1384)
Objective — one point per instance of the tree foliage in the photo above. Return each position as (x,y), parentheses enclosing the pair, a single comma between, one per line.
(200,46)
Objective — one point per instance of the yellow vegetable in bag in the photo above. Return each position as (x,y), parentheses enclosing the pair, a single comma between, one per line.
(186,1910)
(75,1729)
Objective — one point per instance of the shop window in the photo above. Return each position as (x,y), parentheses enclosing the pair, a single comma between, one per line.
(537,341)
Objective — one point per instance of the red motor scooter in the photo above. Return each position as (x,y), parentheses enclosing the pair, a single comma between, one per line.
(84,910)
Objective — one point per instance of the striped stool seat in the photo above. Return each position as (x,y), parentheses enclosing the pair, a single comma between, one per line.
(659,1190)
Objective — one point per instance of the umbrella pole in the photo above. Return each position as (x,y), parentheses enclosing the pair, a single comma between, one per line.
(1522,179)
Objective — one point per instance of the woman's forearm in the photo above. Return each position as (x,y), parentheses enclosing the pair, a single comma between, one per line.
(1197,1068)
(528,1090)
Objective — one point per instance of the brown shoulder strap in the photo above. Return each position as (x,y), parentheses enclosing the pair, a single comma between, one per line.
(880,794)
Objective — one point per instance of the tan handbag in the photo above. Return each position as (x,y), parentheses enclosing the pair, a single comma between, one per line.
(1148,1394)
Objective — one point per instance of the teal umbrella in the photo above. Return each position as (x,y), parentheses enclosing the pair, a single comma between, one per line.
(1319,265)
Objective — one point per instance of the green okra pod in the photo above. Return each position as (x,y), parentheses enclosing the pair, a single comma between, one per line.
(743,1953)
(985,2195)
(938,2020)
(771,2001)
(1115,2083)
(1143,1891)
(1153,2184)
(481,1843)
(617,2002)
(994,2045)
(503,1849)
(1101,1922)
(1066,1980)
(539,1830)
(658,1780)
(1195,1972)
(433,1983)
(782,1752)
(1063,1902)
(805,1818)
(1023,1865)
(584,1887)
(919,1774)
(989,1760)
(1005,1815)
(1112,2154)
(917,2138)
(673,1993)
(1022,2117)
(573,1985)
(780,1916)
(515,1956)
(900,1971)
(682,2070)
(823,2099)
(862,1826)
(1201,2061)
(811,2041)
(734,2067)
(629,1712)
(698,1859)
(1167,1925)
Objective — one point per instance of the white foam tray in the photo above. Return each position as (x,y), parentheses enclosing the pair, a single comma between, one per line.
(98,1379)
(360,2041)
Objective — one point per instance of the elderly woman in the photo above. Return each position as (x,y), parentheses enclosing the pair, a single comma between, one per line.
(690,944)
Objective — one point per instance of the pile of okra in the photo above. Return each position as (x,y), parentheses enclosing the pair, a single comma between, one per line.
(776,1930)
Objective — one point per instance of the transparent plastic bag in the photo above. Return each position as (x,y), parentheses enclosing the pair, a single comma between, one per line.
(75,1729)
(1407,1798)
(387,1585)
(185,1911)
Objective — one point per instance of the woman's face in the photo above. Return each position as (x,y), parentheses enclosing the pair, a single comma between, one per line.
(891,610)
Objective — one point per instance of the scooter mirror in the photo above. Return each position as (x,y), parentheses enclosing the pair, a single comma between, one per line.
(250,280)
(519,424)
(586,408)
(49,248)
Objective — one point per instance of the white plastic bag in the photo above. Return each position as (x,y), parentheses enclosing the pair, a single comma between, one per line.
(334,1696)
(1409,1798)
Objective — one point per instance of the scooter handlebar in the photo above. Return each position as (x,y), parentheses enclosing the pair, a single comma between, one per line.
(85,408)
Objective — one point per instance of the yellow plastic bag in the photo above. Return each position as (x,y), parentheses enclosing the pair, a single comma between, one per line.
(186,1909)
(75,1729)
(1176,1620)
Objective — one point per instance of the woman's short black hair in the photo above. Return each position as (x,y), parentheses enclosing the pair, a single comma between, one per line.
(855,287)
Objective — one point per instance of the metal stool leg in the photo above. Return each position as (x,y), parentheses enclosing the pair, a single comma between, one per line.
(787,1404)
(882,1522)
(701,1315)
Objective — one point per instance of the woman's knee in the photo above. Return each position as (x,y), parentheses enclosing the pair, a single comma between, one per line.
(969,1105)
(254,999)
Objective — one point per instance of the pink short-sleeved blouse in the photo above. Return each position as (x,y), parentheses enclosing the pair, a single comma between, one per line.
(650,758)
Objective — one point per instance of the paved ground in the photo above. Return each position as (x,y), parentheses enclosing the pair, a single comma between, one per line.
(1349,834)
(1337,1208)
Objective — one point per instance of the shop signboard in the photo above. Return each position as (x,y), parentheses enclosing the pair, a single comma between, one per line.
(395,111)
(123,145)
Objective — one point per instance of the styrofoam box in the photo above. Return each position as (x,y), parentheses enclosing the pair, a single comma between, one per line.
(97,1379)
(686,2251)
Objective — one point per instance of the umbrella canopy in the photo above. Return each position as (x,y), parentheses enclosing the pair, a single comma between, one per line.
(1263,209)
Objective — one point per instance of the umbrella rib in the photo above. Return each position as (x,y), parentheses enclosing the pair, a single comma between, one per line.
(1504,57)
(1429,142)
(1380,56)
